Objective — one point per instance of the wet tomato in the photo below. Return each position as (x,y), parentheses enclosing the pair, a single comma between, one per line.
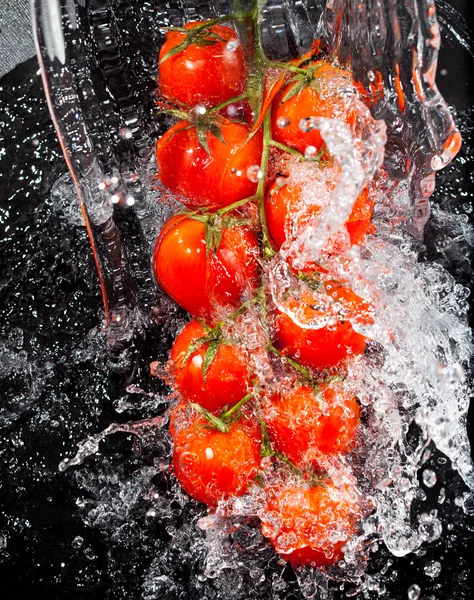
(333,339)
(321,94)
(197,278)
(310,525)
(304,425)
(216,178)
(211,465)
(284,202)
(205,66)
(225,381)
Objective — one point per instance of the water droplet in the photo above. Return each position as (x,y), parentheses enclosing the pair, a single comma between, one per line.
(151,512)
(442,495)
(433,569)
(310,152)
(89,554)
(430,528)
(130,200)
(308,124)
(77,542)
(283,122)
(232,45)
(371,76)
(414,592)
(115,198)
(254,173)
(429,478)
(126,133)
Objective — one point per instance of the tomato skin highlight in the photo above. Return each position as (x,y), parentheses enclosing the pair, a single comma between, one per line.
(211,465)
(283,202)
(308,102)
(216,179)
(201,282)
(203,75)
(299,522)
(301,431)
(226,378)
(322,348)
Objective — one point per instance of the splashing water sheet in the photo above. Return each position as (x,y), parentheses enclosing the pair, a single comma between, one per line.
(89,506)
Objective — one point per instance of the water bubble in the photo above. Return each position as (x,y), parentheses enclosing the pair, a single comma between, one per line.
(429,478)
(254,173)
(151,512)
(236,172)
(433,569)
(442,495)
(77,542)
(468,504)
(126,133)
(130,200)
(283,122)
(115,198)
(430,528)
(308,124)
(200,110)
(400,538)
(232,45)
(310,152)
(414,592)
(89,554)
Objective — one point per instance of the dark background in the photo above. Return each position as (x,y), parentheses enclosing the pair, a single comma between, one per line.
(54,385)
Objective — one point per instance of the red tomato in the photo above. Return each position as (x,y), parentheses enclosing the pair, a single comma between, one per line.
(283,202)
(309,102)
(301,430)
(203,74)
(328,346)
(310,525)
(200,281)
(216,179)
(226,377)
(211,465)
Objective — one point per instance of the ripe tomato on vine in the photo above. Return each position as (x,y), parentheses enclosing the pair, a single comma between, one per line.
(201,64)
(206,369)
(201,278)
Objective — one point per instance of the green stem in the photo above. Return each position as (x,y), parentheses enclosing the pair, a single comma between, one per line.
(226,209)
(180,114)
(267,248)
(248,25)
(295,364)
(228,414)
(267,450)
(292,151)
(222,105)
(286,67)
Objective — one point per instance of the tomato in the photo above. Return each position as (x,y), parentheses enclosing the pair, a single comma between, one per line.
(303,425)
(198,280)
(310,525)
(217,178)
(226,378)
(211,465)
(327,346)
(208,71)
(284,202)
(310,102)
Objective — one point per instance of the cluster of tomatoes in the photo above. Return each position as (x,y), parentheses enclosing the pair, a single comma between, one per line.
(234,167)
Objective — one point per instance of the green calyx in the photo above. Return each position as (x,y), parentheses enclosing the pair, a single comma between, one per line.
(201,35)
(304,78)
(227,417)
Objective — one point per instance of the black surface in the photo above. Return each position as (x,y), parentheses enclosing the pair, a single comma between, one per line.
(49,289)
